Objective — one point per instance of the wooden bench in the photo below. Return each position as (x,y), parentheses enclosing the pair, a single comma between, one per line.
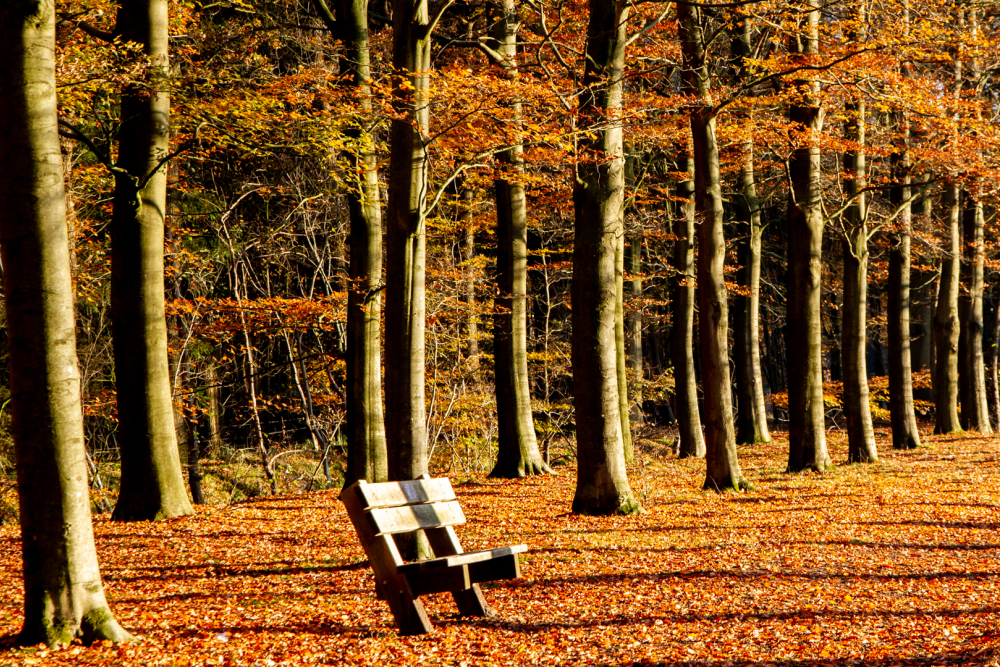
(379,511)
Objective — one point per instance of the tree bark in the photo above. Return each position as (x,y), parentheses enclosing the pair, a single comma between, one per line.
(633,342)
(468,258)
(621,362)
(905,434)
(152,485)
(946,325)
(806,412)
(692,441)
(751,415)
(406,434)
(366,441)
(857,410)
(723,469)
(975,407)
(63,594)
(902,416)
(598,197)
(517,447)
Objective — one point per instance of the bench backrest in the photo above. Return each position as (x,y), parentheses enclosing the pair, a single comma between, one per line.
(403,507)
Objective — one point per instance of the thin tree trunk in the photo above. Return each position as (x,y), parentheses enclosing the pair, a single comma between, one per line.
(621,362)
(598,197)
(692,442)
(946,325)
(152,485)
(517,446)
(857,410)
(63,594)
(406,434)
(995,361)
(975,408)
(806,412)
(634,340)
(723,469)
(468,257)
(366,439)
(213,415)
(905,434)
(751,416)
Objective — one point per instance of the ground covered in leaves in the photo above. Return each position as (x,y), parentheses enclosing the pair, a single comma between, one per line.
(896,563)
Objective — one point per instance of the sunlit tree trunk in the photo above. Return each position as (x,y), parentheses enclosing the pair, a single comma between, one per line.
(806,413)
(751,415)
(723,470)
(406,434)
(692,442)
(857,410)
(598,197)
(517,454)
(468,258)
(152,485)
(975,408)
(63,594)
(946,324)
(905,434)
(621,361)
(366,447)
(633,260)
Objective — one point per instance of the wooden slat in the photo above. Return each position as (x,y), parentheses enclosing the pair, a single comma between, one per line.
(392,520)
(440,581)
(505,567)
(461,559)
(397,494)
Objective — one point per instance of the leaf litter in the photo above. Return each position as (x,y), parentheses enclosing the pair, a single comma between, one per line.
(896,563)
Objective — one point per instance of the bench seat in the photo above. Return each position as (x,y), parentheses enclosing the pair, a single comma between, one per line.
(467,558)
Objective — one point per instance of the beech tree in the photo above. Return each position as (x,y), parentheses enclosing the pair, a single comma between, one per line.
(63,594)
(152,485)
(723,470)
(806,412)
(406,431)
(598,199)
(692,441)
(366,446)
(517,446)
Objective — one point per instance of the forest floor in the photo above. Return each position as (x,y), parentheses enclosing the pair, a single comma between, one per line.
(896,563)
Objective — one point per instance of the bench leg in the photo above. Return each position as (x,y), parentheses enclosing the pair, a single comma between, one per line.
(406,609)
(472,603)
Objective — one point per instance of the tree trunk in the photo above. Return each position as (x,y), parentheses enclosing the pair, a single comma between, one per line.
(406,243)
(751,415)
(692,442)
(152,485)
(946,325)
(857,410)
(621,361)
(905,434)
(213,416)
(806,413)
(468,258)
(975,408)
(598,197)
(366,441)
(723,469)
(517,447)
(995,361)
(633,342)
(63,594)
